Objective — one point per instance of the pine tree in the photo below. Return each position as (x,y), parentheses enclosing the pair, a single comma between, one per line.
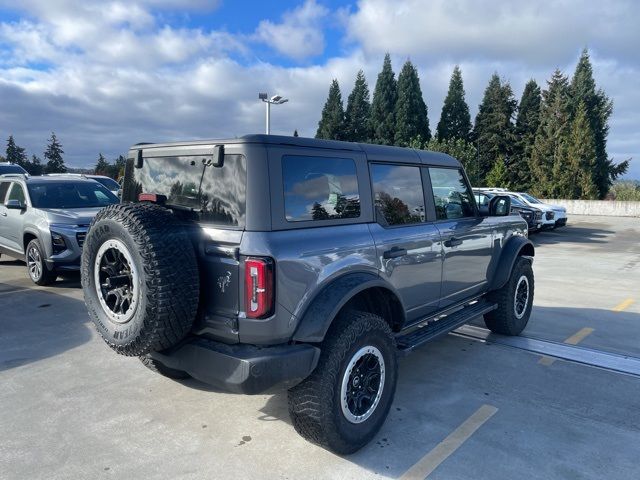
(493,131)
(102,166)
(331,124)
(15,154)
(358,112)
(411,111)
(527,123)
(53,155)
(598,110)
(382,120)
(455,121)
(295,133)
(549,153)
(34,166)
(581,159)
(498,175)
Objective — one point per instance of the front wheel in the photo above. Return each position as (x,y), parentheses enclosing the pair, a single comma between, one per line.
(345,401)
(514,300)
(39,273)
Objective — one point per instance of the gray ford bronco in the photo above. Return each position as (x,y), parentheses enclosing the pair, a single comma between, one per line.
(265,263)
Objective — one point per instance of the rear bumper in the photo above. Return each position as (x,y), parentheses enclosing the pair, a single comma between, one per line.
(242,368)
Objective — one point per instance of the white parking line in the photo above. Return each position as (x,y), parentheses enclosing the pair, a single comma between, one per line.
(444,449)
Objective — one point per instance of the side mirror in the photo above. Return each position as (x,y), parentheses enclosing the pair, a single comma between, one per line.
(15,205)
(500,206)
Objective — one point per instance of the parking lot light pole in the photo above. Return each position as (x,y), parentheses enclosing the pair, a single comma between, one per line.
(275,100)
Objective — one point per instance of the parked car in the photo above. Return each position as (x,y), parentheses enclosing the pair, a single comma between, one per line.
(44,220)
(553,215)
(266,262)
(533,216)
(108,182)
(6,167)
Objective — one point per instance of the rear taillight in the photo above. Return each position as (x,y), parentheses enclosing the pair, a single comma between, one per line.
(259,287)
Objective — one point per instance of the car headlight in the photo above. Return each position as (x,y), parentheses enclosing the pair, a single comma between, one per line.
(58,243)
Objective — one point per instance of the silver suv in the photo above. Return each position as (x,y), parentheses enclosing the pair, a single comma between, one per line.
(44,220)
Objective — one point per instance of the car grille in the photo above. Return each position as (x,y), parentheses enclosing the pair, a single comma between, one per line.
(80,236)
(538,215)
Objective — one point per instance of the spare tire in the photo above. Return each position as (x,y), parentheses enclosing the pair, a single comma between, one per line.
(140,278)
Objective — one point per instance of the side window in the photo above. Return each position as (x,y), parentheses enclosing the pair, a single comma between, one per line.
(4,186)
(451,194)
(17,193)
(482,200)
(319,188)
(399,198)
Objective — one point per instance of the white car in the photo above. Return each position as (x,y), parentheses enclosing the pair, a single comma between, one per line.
(553,216)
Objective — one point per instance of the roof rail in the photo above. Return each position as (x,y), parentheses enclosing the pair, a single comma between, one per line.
(24,176)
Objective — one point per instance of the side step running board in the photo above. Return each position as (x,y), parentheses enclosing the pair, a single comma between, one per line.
(433,329)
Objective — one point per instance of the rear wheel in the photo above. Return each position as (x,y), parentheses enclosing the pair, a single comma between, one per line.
(38,270)
(345,401)
(514,300)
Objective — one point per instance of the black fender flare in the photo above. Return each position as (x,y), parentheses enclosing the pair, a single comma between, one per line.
(515,247)
(318,316)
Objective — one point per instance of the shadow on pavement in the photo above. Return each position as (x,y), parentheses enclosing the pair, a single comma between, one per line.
(38,324)
(571,234)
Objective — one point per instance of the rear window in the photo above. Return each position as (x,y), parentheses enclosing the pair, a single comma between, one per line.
(319,188)
(216,195)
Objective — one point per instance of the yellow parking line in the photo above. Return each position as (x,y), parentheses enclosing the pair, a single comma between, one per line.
(574,339)
(444,449)
(623,305)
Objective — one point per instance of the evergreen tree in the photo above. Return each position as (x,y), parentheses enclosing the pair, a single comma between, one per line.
(15,154)
(295,133)
(331,124)
(411,111)
(493,131)
(549,153)
(527,123)
(382,120)
(598,110)
(455,121)
(53,155)
(498,175)
(34,166)
(358,111)
(581,159)
(102,166)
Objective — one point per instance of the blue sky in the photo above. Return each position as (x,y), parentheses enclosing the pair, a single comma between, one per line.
(105,74)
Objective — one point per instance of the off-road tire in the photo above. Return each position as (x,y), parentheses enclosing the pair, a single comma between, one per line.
(503,320)
(163,370)
(315,404)
(47,276)
(167,277)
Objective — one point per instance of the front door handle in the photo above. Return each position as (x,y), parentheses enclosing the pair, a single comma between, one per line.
(395,252)
(453,242)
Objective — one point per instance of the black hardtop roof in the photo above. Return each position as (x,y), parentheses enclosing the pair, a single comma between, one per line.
(373,151)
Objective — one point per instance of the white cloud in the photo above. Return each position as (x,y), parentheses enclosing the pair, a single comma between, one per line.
(299,35)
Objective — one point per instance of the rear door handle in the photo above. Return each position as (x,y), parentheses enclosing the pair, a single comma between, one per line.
(453,242)
(395,252)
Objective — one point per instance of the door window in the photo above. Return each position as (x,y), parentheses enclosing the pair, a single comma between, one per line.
(319,188)
(399,198)
(17,193)
(452,196)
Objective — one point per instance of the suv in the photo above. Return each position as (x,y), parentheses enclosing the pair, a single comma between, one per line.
(110,183)
(6,167)
(266,262)
(553,216)
(533,216)
(43,220)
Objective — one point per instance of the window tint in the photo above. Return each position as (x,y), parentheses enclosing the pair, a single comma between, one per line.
(110,183)
(398,194)
(4,187)
(17,193)
(216,195)
(319,188)
(482,200)
(452,196)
